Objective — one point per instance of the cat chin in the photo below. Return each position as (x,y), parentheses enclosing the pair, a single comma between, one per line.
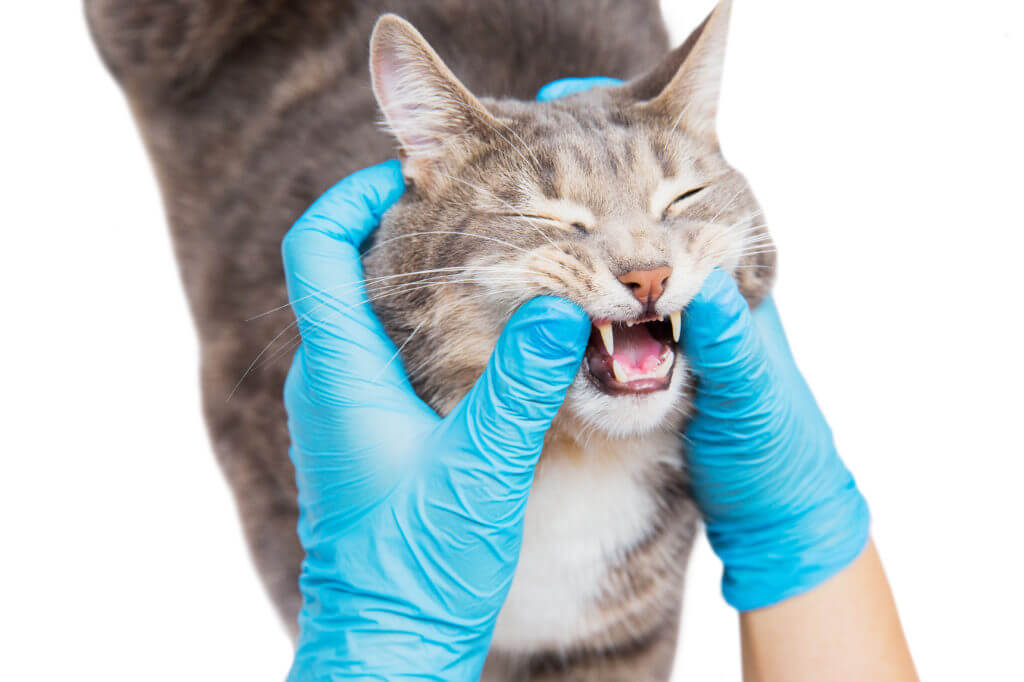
(625,416)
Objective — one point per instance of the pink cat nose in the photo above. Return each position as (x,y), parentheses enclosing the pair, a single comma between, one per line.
(646,285)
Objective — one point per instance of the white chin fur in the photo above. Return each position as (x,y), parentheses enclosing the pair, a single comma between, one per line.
(622,416)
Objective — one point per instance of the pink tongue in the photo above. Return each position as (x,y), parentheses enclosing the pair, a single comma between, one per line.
(636,349)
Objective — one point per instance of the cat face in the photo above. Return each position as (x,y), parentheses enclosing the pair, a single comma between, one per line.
(616,198)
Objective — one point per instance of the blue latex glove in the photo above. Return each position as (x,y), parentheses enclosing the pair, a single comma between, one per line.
(567,86)
(411,523)
(782,512)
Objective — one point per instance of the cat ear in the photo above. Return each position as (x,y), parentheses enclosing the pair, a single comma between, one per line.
(431,113)
(684,88)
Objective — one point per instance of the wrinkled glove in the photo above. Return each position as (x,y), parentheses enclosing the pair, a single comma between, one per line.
(782,512)
(411,523)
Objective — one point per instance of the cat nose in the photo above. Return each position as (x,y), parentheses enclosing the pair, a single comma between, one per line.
(646,285)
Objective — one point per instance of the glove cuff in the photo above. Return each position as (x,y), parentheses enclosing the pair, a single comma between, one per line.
(778,561)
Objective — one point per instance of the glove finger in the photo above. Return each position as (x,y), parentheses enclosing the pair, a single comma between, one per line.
(769,328)
(503,420)
(344,340)
(564,87)
(726,354)
(719,337)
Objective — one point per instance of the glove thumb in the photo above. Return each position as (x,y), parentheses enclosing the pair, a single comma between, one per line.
(721,342)
(505,416)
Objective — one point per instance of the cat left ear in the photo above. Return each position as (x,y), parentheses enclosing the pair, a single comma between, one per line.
(433,115)
(684,88)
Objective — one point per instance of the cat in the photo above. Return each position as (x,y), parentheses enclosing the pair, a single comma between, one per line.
(617,198)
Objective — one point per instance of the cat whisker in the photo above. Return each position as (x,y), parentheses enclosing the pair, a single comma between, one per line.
(266,348)
(412,372)
(289,346)
(397,352)
(391,290)
(487,295)
(298,336)
(757,249)
(343,287)
(759,239)
(410,274)
(675,123)
(536,163)
(753,228)
(429,285)
(745,218)
(252,365)
(729,205)
(424,233)
(355,284)
(483,190)
(481,236)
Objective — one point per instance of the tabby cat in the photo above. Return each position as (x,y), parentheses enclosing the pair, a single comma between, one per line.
(617,198)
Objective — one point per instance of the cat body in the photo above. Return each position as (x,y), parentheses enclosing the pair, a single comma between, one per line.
(251,109)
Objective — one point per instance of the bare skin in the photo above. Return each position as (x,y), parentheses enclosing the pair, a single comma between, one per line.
(845,630)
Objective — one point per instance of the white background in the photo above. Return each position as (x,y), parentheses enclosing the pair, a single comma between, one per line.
(884,140)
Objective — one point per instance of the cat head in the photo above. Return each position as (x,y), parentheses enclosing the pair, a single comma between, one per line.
(617,198)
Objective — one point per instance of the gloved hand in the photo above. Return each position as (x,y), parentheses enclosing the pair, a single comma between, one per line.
(782,512)
(411,523)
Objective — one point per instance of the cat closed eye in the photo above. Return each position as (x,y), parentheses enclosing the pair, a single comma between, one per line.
(681,199)
(687,194)
(576,225)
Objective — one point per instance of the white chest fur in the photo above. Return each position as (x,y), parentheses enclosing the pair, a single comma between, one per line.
(585,511)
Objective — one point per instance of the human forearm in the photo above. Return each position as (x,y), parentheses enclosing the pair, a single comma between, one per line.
(845,630)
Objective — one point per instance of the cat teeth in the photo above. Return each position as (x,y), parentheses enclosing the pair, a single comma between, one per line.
(620,372)
(667,361)
(677,324)
(607,336)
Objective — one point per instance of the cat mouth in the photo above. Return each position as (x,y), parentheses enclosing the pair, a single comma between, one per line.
(634,356)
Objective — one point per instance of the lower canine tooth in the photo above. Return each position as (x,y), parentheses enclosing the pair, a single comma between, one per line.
(607,337)
(677,324)
(665,366)
(619,371)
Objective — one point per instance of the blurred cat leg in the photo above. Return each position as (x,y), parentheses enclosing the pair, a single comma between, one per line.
(250,440)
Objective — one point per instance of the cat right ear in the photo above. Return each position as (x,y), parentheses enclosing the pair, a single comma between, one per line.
(684,88)
(433,115)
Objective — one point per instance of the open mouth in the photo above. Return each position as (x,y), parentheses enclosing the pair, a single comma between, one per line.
(634,356)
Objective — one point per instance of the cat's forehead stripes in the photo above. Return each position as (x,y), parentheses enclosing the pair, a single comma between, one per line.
(608,174)
(582,154)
